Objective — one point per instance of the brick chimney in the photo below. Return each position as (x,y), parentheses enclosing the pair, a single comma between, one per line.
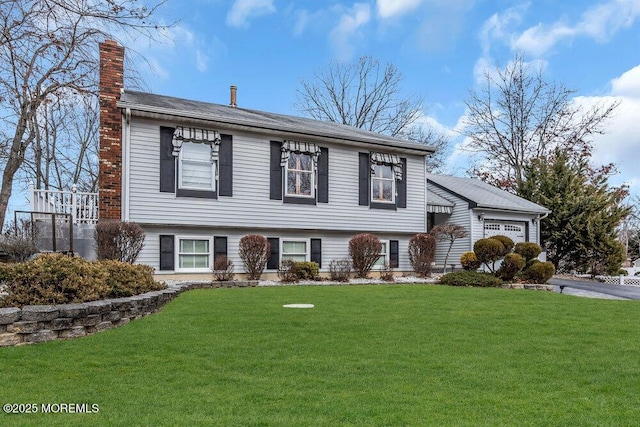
(233,95)
(110,172)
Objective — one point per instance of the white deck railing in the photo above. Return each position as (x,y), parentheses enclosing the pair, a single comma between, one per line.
(83,207)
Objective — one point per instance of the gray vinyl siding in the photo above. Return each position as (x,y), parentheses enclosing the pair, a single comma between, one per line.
(250,206)
(460,216)
(334,245)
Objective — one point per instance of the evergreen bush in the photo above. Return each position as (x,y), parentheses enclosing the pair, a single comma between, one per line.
(470,278)
(469,261)
(527,250)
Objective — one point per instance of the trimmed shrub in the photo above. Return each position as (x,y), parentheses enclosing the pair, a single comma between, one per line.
(63,279)
(470,278)
(364,250)
(422,249)
(125,280)
(623,272)
(19,240)
(488,251)
(507,242)
(222,269)
(511,265)
(469,261)
(307,270)
(254,251)
(539,272)
(528,250)
(340,270)
(119,241)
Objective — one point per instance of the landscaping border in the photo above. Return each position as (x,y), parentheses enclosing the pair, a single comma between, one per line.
(39,323)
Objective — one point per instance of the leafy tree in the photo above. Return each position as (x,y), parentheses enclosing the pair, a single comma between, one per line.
(365,95)
(517,116)
(47,54)
(450,233)
(581,231)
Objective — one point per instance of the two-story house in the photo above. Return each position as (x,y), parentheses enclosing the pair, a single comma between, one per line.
(198,176)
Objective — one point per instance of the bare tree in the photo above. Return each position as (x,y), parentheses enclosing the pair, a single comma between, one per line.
(365,95)
(517,116)
(48,53)
(450,233)
(65,149)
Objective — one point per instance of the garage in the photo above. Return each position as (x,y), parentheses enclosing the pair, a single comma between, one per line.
(516,231)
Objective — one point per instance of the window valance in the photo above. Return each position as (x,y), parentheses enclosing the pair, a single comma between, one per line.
(388,159)
(200,136)
(298,147)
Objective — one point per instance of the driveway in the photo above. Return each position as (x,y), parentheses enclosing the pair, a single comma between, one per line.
(604,289)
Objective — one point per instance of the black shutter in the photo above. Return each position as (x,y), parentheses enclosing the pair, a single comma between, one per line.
(274,257)
(276,172)
(323,176)
(219,246)
(394,253)
(167,161)
(401,186)
(167,258)
(316,251)
(225,186)
(363,179)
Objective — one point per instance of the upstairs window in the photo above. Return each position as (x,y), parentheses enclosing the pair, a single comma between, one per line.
(382,181)
(300,175)
(196,170)
(383,184)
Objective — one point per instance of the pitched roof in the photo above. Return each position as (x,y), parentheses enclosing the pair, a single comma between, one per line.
(482,195)
(261,120)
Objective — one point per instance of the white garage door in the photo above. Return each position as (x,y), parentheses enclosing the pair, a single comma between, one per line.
(514,230)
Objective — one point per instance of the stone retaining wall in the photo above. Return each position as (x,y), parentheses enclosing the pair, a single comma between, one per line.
(40,323)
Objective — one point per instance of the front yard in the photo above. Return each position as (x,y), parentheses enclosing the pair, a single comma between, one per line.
(364,355)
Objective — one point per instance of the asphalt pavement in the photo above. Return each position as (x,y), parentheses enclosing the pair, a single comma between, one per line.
(595,289)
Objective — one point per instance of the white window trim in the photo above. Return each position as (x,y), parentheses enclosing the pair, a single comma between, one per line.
(307,255)
(393,185)
(214,171)
(386,244)
(313,179)
(177,254)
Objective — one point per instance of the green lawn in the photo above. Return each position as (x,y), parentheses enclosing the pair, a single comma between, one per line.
(365,355)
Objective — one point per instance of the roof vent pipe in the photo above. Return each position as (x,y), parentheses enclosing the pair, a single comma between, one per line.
(233,96)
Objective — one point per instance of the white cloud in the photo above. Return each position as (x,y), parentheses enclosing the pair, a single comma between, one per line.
(600,23)
(393,8)
(301,21)
(628,84)
(348,28)
(500,26)
(243,10)
(621,143)
(202,61)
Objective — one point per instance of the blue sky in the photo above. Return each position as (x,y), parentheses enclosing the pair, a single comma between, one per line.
(266,47)
(441,47)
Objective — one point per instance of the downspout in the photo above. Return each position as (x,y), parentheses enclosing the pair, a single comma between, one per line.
(538,221)
(126,153)
(426,201)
